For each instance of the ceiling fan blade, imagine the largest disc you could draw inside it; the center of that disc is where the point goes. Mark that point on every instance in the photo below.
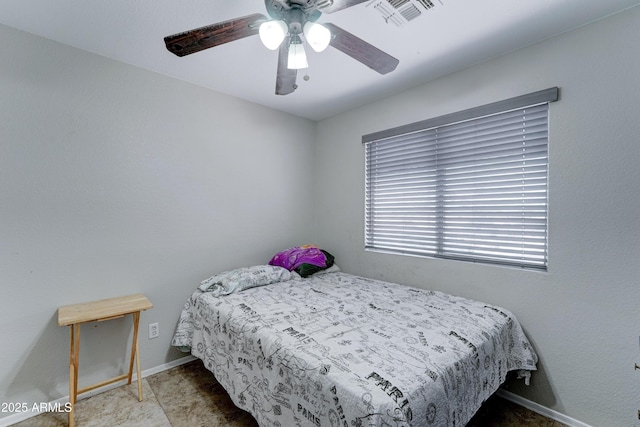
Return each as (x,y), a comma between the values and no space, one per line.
(361,51)
(203,38)
(337,5)
(285,78)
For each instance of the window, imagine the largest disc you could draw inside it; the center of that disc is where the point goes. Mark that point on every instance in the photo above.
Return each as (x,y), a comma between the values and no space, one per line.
(469,186)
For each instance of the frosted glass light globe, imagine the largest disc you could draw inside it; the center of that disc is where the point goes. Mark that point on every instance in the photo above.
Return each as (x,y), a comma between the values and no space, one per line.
(272,33)
(318,36)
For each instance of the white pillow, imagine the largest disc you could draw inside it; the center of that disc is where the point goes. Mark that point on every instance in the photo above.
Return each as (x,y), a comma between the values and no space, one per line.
(237,280)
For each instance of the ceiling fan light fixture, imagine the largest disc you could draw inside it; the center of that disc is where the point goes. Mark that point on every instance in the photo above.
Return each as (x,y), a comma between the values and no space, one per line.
(272,33)
(297,56)
(318,36)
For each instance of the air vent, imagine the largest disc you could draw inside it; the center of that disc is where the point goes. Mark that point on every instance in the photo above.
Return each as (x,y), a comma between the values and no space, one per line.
(398,3)
(399,12)
(426,3)
(410,12)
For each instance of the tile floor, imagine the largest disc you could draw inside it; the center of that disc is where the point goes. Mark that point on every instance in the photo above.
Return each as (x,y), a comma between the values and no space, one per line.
(189,396)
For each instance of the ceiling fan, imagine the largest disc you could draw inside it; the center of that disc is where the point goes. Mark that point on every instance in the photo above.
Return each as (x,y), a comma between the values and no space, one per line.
(292,21)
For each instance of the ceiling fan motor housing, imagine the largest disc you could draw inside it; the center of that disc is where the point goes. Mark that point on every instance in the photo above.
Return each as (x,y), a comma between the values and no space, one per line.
(294,12)
(295,21)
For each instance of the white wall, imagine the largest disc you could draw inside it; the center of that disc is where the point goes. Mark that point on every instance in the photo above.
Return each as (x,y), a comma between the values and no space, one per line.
(115,180)
(583,314)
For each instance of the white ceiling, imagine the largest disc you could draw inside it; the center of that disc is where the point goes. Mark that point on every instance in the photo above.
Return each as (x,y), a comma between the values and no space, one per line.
(452,35)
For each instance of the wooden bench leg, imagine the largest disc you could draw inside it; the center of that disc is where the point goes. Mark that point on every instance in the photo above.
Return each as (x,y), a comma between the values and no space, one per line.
(135,355)
(74,355)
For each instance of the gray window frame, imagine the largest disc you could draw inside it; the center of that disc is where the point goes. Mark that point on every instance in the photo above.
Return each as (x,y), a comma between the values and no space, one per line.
(399,134)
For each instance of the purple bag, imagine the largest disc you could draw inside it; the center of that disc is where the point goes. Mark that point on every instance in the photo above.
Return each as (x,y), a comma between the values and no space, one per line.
(294,257)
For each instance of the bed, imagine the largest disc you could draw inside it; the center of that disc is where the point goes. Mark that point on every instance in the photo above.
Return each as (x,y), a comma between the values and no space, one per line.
(335,349)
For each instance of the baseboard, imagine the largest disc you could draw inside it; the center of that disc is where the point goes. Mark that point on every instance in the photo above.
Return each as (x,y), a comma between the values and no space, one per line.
(167,366)
(21,416)
(539,409)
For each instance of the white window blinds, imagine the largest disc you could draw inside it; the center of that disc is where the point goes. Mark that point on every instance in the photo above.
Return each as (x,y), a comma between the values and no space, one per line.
(471,187)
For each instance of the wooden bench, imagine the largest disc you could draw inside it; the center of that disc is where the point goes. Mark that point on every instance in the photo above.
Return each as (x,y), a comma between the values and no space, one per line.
(106,309)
